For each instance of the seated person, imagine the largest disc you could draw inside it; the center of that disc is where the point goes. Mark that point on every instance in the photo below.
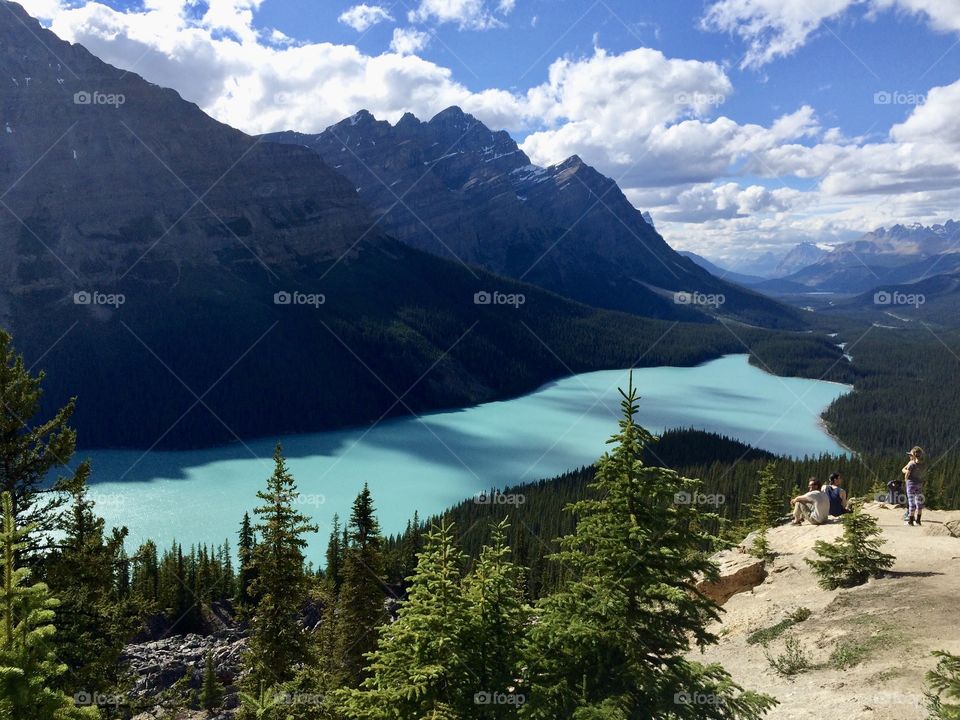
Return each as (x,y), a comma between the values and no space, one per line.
(839,502)
(813,506)
(895,494)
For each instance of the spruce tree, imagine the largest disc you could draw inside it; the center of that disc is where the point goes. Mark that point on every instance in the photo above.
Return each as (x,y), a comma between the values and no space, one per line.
(360,605)
(767,507)
(30,673)
(855,556)
(943,697)
(278,644)
(498,618)
(613,641)
(29,454)
(211,692)
(334,569)
(94,621)
(145,580)
(247,572)
(419,669)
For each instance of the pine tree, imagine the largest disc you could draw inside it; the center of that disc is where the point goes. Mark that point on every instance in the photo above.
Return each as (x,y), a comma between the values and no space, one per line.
(247,572)
(29,455)
(360,605)
(278,644)
(418,669)
(855,556)
(334,569)
(211,692)
(944,683)
(498,616)
(94,621)
(227,582)
(767,507)
(612,643)
(145,580)
(30,673)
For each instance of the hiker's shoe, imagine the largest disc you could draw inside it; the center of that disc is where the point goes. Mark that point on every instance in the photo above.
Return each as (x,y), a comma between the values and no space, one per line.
(918,522)
(909,522)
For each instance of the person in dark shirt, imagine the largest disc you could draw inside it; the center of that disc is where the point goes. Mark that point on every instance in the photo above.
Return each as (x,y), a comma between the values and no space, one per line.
(839,502)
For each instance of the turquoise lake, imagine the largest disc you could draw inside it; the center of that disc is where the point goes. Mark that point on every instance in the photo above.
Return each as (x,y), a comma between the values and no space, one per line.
(431,462)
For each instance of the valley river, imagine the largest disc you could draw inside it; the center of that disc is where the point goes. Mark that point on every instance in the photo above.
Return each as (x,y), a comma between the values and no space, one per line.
(436,460)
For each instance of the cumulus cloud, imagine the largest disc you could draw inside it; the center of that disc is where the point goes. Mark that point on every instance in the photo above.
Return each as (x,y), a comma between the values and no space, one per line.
(408,41)
(773,28)
(467,14)
(362,17)
(707,201)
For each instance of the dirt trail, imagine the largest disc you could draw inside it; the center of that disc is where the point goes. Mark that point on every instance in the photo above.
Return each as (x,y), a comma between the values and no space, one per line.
(883,631)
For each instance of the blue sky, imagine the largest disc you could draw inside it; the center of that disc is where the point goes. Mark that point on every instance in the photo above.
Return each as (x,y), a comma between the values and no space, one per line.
(742,125)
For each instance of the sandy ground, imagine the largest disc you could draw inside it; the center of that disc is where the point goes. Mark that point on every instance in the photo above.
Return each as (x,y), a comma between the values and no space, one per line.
(887,627)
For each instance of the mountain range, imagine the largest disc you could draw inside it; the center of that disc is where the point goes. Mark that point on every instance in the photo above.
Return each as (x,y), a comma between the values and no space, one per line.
(899,255)
(195,285)
(453,187)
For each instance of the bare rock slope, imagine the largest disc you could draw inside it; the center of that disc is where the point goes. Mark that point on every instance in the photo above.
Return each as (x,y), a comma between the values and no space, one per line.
(867,647)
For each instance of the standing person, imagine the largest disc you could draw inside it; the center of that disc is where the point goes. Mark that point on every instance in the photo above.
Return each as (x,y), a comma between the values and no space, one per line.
(838,496)
(913,473)
(813,506)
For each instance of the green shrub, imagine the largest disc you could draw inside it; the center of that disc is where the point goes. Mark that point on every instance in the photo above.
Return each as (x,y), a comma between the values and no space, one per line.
(855,556)
(792,661)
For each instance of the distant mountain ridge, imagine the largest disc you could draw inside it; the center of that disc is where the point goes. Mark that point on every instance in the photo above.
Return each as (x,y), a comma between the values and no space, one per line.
(799,257)
(723,273)
(902,254)
(455,188)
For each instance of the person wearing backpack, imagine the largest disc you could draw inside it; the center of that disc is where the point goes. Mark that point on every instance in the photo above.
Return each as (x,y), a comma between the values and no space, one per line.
(838,496)
(913,473)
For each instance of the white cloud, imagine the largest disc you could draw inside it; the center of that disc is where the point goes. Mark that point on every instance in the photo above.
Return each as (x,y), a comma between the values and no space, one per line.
(706,201)
(42,9)
(775,28)
(408,41)
(467,14)
(362,17)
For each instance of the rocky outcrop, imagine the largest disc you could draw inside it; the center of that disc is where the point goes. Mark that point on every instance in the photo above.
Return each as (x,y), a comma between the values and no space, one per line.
(166,671)
(739,572)
(949,528)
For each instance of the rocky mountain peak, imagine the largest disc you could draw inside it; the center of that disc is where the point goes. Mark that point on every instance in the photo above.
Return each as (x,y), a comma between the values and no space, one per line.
(408,121)
(452,115)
